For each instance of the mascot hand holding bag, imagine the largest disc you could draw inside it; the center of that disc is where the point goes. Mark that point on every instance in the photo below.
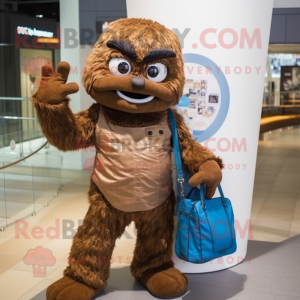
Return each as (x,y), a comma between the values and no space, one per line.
(134,78)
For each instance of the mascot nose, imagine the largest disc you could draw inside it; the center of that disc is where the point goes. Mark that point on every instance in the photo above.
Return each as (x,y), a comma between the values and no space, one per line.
(137,83)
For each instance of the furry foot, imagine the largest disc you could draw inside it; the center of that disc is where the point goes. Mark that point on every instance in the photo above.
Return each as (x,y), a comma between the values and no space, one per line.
(167,284)
(69,289)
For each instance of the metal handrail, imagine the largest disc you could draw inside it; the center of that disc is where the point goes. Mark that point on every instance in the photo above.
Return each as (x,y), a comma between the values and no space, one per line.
(18,118)
(14,99)
(22,159)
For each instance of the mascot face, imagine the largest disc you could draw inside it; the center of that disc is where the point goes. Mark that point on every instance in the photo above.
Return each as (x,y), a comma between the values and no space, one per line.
(136,67)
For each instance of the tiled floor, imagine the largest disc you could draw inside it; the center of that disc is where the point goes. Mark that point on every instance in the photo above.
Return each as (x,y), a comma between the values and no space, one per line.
(275,217)
(276,198)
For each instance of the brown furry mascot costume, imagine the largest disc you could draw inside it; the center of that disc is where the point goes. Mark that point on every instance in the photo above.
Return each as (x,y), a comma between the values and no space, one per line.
(134,73)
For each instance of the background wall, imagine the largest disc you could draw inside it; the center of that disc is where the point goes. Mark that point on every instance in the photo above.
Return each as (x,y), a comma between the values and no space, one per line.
(284,29)
(285,25)
(93,11)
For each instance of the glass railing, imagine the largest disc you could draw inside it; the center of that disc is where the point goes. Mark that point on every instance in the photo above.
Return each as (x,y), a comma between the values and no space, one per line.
(281,99)
(30,184)
(19,143)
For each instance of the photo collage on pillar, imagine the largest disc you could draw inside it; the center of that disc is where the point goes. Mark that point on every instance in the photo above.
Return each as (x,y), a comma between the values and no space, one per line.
(201,100)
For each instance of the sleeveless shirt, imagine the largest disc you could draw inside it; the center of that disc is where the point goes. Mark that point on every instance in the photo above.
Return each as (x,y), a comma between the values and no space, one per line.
(132,167)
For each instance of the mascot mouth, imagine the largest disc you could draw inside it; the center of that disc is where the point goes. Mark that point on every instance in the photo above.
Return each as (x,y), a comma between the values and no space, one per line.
(134,97)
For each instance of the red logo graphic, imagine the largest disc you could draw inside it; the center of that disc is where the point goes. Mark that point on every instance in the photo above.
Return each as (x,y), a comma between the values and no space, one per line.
(34,65)
(34,69)
(39,258)
(93,164)
(89,164)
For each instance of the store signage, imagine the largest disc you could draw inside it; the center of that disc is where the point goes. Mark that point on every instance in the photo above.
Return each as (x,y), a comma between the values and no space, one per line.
(48,40)
(34,32)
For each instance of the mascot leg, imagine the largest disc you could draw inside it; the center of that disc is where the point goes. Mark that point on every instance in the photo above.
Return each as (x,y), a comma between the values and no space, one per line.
(93,244)
(152,263)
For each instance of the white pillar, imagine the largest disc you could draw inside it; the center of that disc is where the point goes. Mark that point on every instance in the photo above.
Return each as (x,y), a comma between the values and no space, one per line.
(75,56)
(219,34)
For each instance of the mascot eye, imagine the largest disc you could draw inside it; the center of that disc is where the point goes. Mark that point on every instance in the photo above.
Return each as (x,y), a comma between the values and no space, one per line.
(119,67)
(157,72)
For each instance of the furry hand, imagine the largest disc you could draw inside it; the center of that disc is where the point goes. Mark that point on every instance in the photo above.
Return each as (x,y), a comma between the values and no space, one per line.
(210,174)
(53,88)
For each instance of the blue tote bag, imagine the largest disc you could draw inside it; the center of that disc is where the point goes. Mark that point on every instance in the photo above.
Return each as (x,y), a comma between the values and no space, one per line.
(205,226)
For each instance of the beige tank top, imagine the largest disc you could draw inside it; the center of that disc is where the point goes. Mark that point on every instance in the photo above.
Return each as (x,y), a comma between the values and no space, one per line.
(133,165)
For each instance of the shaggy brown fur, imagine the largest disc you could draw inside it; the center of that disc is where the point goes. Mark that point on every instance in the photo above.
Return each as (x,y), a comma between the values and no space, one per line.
(94,241)
(103,224)
(91,252)
(64,129)
(145,35)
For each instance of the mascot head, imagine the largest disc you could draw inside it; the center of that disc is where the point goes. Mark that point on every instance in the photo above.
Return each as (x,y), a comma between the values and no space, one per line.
(136,66)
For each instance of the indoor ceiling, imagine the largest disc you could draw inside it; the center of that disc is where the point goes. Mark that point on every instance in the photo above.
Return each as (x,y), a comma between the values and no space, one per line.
(45,8)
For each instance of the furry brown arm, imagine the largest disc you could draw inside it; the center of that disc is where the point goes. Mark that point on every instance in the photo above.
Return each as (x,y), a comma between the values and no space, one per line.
(193,154)
(65,130)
